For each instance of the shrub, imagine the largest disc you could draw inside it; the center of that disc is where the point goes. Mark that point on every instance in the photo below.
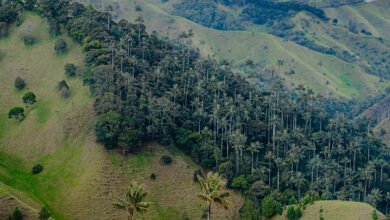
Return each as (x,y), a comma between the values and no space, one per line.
(16,215)
(270,207)
(19,83)
(292,201)
(70,70)
(298,213)
(291,213)
(37,168)
(166,160)
(153,176)
(62,84)
(29,98)
(29,39)
(375,215)
(44,214)
(240,182)
(60,46)
(17,113)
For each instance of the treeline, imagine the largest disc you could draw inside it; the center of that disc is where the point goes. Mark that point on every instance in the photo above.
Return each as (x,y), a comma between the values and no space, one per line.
(209,14)
(260,12)
(265,140)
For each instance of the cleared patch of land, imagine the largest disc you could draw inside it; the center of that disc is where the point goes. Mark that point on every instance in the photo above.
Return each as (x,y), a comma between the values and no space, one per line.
(336,210)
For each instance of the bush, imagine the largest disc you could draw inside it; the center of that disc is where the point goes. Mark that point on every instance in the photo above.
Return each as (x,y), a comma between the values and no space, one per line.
(292,201)
(166,160)
(294,213)
(70,70)
(44,214)
(20,83)
(240,182)
(62,84)
(375,215)
(291,213)
(270,207)
(16,215)
(29,98)
(153,176)
(37,168)
(17,113)
(60,46)
(29,39)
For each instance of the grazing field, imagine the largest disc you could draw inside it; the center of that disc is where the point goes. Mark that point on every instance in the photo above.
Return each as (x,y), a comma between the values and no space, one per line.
(79,176)
(336,210)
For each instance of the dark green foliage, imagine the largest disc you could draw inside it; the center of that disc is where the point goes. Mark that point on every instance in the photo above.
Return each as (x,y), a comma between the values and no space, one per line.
(322,214)
(8,12)
(153,176)
(107,128)
(292,201)
(294,212)
(166,160)
(60,46)
(37,168)
(375,215)
(16,215)
(20,83)
(3,29)
(29,39)
(54,28)
(30,4)
(70,69)
(44,214)
(64,89)
(29,98)
(291,213)
(270,207)
(240,182)
(17,113)
(152,89)
(62,84)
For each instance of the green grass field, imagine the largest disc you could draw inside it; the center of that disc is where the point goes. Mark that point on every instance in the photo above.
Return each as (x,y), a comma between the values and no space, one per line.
(79,176)
(337,210)
(311,68)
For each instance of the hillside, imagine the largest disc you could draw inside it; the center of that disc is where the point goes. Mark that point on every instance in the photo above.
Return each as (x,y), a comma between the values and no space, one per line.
(327,74)
(79,176)
(335,210)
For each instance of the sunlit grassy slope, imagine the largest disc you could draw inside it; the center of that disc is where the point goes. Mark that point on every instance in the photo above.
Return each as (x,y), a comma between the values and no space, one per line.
(79,176)
(337,210)
(311,68)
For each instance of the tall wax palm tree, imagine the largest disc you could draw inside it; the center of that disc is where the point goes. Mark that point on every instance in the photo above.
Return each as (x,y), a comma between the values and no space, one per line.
(299,181)
(213,191)
(255,147)
(133,200)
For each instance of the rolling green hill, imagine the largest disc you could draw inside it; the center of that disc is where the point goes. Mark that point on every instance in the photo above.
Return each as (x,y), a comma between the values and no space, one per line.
(79,176)
(326,74)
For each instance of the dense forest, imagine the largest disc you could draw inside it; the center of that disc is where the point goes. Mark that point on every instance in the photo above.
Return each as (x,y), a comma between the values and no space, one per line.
(271,142)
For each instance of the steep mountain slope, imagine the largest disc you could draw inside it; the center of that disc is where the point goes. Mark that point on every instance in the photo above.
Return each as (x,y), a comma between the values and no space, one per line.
(79,176)
(325,73)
